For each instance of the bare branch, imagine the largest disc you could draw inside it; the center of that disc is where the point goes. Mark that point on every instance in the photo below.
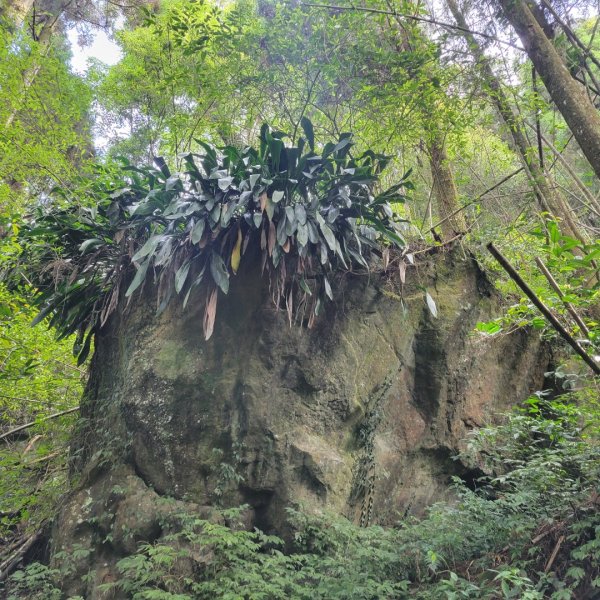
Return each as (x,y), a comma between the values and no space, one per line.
(32,423)
(449,26)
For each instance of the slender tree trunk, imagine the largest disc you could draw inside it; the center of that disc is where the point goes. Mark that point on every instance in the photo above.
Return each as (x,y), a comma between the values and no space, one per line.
(444,190)
(568,95)
(549,199)
(589,197)
(43,19)
(452,220)
(540,17)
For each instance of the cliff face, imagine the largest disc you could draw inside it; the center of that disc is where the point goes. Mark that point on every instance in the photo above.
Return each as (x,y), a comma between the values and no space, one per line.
(360,415)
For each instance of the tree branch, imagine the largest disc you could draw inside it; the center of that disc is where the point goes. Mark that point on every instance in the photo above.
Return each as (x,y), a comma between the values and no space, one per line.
(491,189)
(32,423)
(543,308)
(450,26)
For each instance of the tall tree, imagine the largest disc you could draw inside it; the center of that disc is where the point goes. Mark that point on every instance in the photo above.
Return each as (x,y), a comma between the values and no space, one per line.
(452,221)
(546,190)
(13,12)
(568,95)
(444,190)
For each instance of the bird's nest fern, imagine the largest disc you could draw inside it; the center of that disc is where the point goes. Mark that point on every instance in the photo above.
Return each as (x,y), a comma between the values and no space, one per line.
(308,214)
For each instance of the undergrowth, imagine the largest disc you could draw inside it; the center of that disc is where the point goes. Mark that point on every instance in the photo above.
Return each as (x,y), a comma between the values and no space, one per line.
(528,531)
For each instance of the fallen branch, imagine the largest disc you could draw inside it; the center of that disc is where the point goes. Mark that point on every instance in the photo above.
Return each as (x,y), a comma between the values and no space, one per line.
(11,545)
(10,564)
(561,539)
(543,308)
(32,423)
(42,459)
(31,443)
(541,536)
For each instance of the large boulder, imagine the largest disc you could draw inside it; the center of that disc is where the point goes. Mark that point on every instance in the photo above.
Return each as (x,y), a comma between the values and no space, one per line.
(361,415)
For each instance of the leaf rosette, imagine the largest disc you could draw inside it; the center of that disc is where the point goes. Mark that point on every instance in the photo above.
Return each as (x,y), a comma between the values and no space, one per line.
(309,214)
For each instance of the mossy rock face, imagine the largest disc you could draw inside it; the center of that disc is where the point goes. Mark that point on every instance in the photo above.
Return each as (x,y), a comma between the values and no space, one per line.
(360,415)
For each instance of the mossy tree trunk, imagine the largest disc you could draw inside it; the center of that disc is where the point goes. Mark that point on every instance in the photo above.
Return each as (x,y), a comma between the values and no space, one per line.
(568,95)
(452,220)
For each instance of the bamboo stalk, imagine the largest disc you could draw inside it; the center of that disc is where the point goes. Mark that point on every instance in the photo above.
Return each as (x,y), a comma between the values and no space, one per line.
(543,308)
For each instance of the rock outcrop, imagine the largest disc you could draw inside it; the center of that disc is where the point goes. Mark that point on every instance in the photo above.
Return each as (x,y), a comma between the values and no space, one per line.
(360,415)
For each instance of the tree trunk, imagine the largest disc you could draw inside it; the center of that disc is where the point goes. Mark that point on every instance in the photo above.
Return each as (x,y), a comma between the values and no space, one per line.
(444,191)
(568,95)
(15,11)
(43,21)
(452,220)
(548,198)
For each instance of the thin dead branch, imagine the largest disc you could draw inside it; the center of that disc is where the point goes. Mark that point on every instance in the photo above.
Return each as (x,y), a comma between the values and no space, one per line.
(32,423)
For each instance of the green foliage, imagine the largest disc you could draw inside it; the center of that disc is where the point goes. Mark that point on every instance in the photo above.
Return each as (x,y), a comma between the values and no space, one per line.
(539,500)
(249,564)
(309,214)
(36,582)
(191,69)
(43,125)
(574,267)
(37,372)
(38,377)
(44,139)
(173,82)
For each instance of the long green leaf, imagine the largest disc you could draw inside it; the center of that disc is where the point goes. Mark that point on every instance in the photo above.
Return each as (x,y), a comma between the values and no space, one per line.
(138,279)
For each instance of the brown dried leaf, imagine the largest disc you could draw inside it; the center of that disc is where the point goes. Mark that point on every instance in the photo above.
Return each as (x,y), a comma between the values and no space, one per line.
(402,272)
(246,242)
(264,261)
(110,307)
(73,276)
(289,303)
(282,272)
(263,239)
(210,312)
(272,237)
